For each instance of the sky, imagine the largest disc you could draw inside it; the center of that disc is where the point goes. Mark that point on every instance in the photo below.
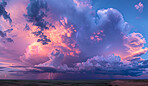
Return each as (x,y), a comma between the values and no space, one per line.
(73,39)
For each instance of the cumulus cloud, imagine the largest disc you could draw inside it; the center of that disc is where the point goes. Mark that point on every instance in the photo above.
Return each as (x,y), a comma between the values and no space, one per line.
(105,63)
(71,37)
(110,65)
(55,59)
(135,43)
(35,54)
(110,30)
(105,34)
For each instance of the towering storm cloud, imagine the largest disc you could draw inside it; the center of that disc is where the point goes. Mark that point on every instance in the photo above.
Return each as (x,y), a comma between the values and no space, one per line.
(70,36)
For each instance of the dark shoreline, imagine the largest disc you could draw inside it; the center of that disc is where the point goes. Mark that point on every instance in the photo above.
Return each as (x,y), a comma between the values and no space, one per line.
(120,82)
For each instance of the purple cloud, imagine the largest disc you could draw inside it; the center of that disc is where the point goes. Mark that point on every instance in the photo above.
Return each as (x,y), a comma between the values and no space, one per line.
(66,37)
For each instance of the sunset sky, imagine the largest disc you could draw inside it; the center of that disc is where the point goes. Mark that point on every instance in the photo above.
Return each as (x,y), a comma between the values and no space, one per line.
(73,39)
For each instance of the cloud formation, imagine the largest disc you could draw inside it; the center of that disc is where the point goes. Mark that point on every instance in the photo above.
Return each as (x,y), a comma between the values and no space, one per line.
(3,11)
(3,35)
(35,14)
(71,37)
(107,34)
(135,43)
(139,7)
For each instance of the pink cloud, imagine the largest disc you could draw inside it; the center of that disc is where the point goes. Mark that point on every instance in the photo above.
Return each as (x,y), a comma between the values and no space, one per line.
(36,53)
(83,3)
(75,39)
(134,44)
(139,7)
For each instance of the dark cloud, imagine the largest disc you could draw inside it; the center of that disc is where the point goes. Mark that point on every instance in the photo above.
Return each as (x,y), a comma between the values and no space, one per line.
(27,27)
(104,65)
(2,67)
(4,38)
(2,34)
(36,11)
(9,40)
(145,62)
(35,70)
(3,11)
(94,66)
(8,31)
(111,65)
(6,16)
(16,74)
